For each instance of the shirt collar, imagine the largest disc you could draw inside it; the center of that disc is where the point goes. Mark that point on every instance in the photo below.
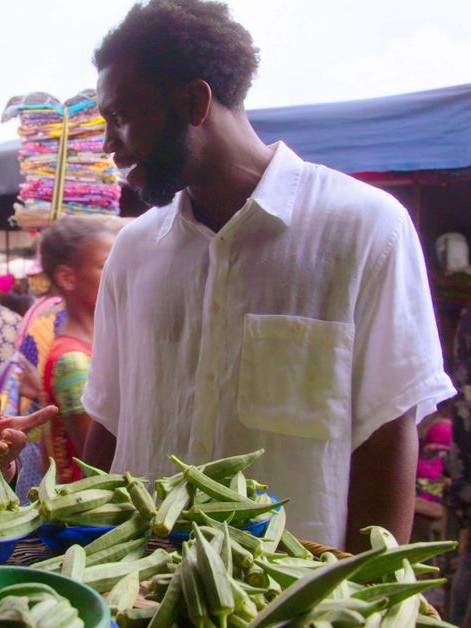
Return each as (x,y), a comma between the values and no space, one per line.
(276,190)
(173,210)
(274,194)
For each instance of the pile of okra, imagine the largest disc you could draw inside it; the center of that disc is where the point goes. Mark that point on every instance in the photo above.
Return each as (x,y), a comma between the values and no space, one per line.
(221,575)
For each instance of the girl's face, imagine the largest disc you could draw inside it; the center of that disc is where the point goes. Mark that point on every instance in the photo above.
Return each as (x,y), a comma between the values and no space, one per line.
(89,267)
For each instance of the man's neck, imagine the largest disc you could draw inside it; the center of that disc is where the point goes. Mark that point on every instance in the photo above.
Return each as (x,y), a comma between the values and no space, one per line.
(214,220)
(232,183)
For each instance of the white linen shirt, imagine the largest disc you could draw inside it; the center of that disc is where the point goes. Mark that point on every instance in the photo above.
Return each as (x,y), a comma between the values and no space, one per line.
(302,326)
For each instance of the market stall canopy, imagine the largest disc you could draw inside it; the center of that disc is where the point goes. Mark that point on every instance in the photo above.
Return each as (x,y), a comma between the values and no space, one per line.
(429,130)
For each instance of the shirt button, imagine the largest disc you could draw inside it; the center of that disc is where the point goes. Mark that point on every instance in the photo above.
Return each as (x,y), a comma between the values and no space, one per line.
(214,307)
(210,377)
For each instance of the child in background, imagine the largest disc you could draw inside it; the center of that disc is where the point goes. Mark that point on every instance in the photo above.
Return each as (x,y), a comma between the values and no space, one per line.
(73,253)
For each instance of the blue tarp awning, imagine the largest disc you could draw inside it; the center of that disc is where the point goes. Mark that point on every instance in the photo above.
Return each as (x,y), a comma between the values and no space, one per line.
(429,130)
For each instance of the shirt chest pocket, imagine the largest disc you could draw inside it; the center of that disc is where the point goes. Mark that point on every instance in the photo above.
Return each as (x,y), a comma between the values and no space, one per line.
(295,376)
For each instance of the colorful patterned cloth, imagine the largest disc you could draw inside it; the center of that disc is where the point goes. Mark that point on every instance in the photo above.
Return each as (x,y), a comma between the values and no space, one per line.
(40,306)
(65,376)
(89,183)
(34,342)
(9,325)
(36,338)
(39,337)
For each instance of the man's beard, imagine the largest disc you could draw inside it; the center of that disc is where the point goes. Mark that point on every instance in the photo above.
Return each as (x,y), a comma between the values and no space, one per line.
(164,171)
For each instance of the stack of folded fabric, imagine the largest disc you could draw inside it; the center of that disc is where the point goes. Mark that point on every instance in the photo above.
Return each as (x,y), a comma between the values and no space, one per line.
(61,159)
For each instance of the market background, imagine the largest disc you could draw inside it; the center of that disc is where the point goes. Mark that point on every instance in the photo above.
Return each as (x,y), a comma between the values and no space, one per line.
(311,53)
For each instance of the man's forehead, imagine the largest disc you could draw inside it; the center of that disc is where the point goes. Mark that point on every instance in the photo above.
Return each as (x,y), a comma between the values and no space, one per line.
(118,84)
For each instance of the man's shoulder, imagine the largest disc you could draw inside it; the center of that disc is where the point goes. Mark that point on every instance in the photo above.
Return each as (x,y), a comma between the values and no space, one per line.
(144,229)
(341,197)
(148,222)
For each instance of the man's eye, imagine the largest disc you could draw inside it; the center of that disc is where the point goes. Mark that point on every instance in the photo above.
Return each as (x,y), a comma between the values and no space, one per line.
(116,119)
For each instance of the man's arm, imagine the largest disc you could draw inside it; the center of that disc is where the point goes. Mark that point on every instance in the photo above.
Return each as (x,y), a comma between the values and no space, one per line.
(99,447)
(382,482)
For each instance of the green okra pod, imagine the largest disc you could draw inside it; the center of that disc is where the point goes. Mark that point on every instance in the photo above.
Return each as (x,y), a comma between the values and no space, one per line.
(47,486)
(215,578)
(211,487)
(103,577)
(74,562)
(118,551)
(87,469)
(391,560)
(252,543)
(25,522)
(60,507)
(108,481)
(192,587)
(124,593)
(9,500)
(216,469)
(274,530)
(140,497)
(293,546)
(303,595)
(169,609)
(222,511)
(108,514)
(397,591)
(171,508)
(136,526)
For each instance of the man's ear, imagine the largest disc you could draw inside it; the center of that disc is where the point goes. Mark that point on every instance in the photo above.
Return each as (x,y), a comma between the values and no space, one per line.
(199,97)
(64,278)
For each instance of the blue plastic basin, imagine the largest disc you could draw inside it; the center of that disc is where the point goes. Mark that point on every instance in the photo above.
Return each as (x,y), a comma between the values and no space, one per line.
(60,538)
(6,550)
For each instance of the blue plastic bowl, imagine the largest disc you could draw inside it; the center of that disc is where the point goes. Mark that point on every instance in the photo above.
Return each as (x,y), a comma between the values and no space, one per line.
(255,527)
(6,549)
(60,538)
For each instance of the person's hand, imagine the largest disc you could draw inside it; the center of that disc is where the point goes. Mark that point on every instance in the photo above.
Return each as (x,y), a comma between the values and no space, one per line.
(13,437)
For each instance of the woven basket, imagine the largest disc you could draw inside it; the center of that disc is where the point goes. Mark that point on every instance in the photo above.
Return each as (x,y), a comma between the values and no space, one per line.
(317,549)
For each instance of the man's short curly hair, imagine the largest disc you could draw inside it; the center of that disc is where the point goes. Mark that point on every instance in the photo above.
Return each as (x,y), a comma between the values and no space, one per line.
(177,41)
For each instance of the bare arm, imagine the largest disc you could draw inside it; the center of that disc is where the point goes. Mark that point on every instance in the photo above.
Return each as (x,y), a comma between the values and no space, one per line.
(77,428)
(99,447)
(382,482)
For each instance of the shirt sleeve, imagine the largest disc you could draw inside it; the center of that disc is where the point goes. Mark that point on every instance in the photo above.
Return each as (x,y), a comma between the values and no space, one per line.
(398,363)
(102,392)
(69,375)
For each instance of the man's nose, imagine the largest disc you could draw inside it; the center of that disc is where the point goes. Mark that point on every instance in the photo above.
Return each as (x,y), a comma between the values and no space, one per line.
(110,141)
